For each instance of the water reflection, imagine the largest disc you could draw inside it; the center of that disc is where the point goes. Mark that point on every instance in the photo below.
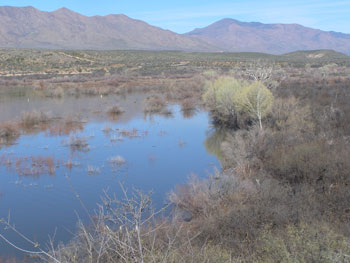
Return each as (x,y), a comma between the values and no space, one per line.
(213,142)
(154,153)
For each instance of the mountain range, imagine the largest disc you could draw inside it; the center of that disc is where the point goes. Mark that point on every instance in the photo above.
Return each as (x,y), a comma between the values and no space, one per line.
(27,27)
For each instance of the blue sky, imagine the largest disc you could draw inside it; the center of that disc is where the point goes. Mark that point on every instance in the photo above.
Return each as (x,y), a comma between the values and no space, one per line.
(184,15)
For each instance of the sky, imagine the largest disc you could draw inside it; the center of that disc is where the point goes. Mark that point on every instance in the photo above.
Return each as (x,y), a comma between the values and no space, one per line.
(184,15)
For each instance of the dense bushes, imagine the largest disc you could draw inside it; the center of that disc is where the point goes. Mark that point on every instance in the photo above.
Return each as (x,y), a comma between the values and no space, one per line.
(303,243)
(295,170)
(231,100)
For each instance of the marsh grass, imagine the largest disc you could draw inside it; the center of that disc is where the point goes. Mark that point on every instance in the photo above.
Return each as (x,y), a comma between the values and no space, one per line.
(33,166)
(78,143)
(117,160)
(70,164)
(92,170)
(133,133)
(65,126)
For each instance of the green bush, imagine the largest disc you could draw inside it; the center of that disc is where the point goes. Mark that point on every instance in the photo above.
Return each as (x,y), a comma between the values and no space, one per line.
(230,99)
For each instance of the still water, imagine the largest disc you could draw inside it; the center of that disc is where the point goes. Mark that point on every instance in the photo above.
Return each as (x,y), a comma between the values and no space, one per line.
(38,172)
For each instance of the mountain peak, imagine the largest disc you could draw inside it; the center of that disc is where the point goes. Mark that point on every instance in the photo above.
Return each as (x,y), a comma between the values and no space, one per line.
(234,35)
(226,21)
(65,11)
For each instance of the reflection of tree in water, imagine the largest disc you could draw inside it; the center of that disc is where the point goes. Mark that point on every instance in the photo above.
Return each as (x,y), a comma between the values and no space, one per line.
(188,113)
(213,142)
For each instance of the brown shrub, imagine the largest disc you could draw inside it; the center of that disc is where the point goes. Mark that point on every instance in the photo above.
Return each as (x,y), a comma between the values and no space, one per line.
(115,110)
(9,132)
(65,127)
(154,104)
(34,118)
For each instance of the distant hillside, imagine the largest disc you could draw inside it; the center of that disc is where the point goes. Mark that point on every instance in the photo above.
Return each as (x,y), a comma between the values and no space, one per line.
(27,27)
(329,55)
(233,35)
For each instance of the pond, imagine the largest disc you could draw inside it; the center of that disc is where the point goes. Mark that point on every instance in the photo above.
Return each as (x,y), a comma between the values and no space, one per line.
(43,172)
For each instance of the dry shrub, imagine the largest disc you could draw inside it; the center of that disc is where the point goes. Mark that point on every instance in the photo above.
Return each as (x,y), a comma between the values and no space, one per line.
(34,118)
(229,209)
(48,89)
(194,197)
(129,230)
(57,92)
(236,148)
(188,107)
(54,92)
(155,104)
(8,132)
(92,91)
(188,88)
(303,242)
(293,171)
(115,111)
(188,104)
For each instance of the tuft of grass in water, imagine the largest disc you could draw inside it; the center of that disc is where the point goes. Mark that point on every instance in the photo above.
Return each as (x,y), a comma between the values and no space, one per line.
(93,170)
(78,143)
(117,160)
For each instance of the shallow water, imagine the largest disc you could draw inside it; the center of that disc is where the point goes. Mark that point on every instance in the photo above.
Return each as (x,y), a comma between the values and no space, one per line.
(160,152)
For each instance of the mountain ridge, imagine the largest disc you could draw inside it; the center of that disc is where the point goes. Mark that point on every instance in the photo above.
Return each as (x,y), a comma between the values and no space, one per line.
(28,27)
(234,35)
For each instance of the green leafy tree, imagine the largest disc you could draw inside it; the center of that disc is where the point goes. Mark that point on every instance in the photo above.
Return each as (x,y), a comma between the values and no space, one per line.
(256,100)
(222,97)
(228,97)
